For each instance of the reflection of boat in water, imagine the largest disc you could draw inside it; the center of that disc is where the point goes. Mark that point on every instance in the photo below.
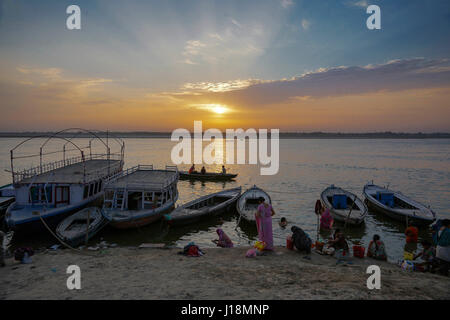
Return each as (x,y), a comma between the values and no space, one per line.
(213,176)
(248,202)
(80,226)
(344,206)
(397,206)
(209,205)
(54,190)
(140,195)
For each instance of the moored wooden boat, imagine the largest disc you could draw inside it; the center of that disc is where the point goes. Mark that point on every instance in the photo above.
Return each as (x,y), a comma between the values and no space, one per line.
(86,223)
(140,195)
(209,205)
(248,202)
(210,176)
(51,191)
(344,206)
(397,206)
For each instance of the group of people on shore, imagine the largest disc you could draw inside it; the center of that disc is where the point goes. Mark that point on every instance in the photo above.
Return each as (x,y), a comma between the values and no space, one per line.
(435,255)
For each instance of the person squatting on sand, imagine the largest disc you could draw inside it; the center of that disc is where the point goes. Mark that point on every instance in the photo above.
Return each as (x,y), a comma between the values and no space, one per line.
(376,249)
(264,223)
(301,240)
(224,241)
(428,255)
(337,245)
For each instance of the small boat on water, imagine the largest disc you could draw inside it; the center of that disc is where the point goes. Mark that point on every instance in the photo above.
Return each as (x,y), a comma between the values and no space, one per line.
(344,206)
(397,206)
(249,201)
(140,195)
(86,223)
(209,176)
(209,205)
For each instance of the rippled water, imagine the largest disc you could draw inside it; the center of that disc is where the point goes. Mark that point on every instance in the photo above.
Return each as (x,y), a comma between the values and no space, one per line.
(418,168)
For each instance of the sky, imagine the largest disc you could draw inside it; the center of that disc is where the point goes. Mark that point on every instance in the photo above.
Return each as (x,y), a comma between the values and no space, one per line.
(293,65)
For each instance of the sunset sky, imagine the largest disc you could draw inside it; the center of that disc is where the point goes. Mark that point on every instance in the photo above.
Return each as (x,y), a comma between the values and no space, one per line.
(296,65)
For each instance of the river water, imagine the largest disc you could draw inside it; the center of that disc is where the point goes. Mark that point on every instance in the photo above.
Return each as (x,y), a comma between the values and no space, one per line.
(418,168)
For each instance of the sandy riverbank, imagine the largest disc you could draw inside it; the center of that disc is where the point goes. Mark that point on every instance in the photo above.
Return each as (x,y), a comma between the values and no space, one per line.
(131,273)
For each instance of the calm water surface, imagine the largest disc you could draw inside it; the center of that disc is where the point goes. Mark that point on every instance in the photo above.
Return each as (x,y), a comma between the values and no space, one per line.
(418,168)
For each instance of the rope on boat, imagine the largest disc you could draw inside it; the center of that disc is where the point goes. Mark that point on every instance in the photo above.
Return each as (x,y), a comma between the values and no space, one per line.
(62,242)
(290,192)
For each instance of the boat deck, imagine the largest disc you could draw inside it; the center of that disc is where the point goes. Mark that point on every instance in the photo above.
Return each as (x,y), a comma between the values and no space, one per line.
(145,179)
(73,173)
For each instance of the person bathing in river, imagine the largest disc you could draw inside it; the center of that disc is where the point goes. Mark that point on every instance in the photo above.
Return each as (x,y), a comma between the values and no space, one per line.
(376,249)
(203,171)
(224,241)
(264,223)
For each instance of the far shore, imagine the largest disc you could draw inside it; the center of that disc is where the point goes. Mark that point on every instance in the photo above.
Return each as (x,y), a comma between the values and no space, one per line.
(155,273)
(282,135)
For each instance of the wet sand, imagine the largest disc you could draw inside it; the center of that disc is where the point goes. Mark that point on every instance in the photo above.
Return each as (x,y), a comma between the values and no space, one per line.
(132,273)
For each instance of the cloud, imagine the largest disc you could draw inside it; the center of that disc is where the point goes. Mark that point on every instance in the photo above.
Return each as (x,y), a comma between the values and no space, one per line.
(360,4)
(237,24)
(286,3)
(234,42)
(305,24)
(49,73)
(395,75)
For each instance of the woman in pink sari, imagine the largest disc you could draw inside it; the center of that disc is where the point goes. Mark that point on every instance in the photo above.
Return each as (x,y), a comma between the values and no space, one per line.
(264,223)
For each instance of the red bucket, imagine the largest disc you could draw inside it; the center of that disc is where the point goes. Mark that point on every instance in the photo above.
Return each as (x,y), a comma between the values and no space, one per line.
(358,251)
(289,243)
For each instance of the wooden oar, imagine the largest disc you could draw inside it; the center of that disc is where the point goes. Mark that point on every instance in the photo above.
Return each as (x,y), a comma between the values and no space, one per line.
(348,216)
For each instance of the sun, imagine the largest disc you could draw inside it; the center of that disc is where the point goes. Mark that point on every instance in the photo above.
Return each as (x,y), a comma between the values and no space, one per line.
(219,109)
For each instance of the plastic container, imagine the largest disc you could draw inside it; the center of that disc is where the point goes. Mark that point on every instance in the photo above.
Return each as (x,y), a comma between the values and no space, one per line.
(319,245)
(289,243)
(408,255)
(358,251)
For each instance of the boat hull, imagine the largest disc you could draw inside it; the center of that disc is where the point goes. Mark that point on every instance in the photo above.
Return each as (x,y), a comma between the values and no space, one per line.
(378,207)
(192,216)
(206,177)
(342,215)
(141,221)
(394,215)
(252,193)
(35,225)
(76,238)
